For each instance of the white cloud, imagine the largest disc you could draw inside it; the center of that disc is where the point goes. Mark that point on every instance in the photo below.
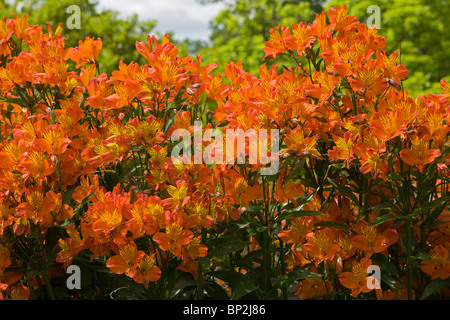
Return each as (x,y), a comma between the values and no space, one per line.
(185,18)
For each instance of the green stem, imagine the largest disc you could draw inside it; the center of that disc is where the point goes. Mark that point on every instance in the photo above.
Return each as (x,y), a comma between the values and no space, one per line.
(48,285)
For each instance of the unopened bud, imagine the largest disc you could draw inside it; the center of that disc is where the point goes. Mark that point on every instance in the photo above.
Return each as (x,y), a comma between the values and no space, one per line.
(222,123)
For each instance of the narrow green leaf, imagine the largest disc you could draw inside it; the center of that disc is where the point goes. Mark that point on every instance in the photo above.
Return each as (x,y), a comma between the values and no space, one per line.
(382,219)
(332,224)
(434,287)
(344,190)
(297,213)
(226,247)
(296,275)
(81,205)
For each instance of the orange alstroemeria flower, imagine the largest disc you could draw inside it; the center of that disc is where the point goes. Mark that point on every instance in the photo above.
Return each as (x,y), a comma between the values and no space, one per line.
(173,238)
(6,218)
(298,144)
(298,230)
(178,195)
(87,51)
(126,259)
(276,45)
(194,249)
(38,207)
(388,124)
(369,82)
(70,246)
(36,163)
(146,270)
(356,279)
(439,265)
(343,149)
(54,140)
(419,155)
(312,287)
(371,240)
(321,245)
(288,191)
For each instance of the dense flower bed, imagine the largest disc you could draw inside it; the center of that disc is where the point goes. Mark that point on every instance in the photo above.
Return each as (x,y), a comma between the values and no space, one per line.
(88,176)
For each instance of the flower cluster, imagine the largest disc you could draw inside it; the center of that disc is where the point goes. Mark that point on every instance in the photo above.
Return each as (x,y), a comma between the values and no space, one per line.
(87,176)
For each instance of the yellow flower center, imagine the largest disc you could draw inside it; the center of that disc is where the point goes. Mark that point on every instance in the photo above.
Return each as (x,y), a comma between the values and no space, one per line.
(360,273)
(127,253)
(146,264)
(369,234)
(35,199)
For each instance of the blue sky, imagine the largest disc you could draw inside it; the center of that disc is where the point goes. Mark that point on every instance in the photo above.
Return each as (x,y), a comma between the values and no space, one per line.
(185,18)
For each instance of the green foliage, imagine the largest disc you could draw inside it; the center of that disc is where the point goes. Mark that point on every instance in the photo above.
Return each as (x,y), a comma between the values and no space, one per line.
(240,30)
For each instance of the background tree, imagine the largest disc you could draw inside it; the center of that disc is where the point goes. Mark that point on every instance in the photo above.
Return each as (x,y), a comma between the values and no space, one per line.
(239,31)
(118,35)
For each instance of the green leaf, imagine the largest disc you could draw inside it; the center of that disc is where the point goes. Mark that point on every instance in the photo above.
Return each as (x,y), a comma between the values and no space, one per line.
(255,209)
(383,262)
(344,190)
(407,238)
(434,287)
(382,206)
(295,275)
(382,219)
(439,202)
(250,257)
(297,213)
(215,291)
(81,205)
(67,197)
(239,283)
(53,115)
(423,256)
(229,246)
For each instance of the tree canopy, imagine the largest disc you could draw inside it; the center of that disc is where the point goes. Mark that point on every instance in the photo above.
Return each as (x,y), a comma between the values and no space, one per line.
(240,30)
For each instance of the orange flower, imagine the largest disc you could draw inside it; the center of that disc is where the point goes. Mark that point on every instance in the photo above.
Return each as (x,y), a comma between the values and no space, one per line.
(277,44)
(87,51)
(419,155)
(388,124)
(178,195)
(369,82)
(343,149)
(70,246)
(356,280)
(38,207)
(300,227)
(439,265)
(370,240)
(37,163)
(194,249)
(146,270)
(54,140)
(174,238)
(312,287)
(321,245)
(126,260)
(288,191)
(297,143)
